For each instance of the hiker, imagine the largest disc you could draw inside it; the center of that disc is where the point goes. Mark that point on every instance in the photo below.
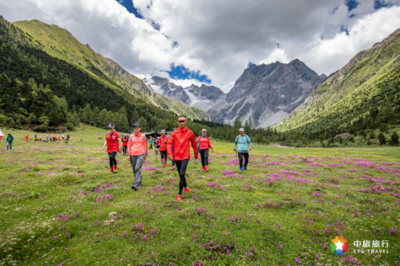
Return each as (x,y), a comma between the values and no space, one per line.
(63,137)
(162,143)
(112,142)
(137,153)
(181,140)
(9,140)
(203,145)
(242,140)
(124,140)
(68,137)
(26,137)
(151,143)
(51,137)
(36,137)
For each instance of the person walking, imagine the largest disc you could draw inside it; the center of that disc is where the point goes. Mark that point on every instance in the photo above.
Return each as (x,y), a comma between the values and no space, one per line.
(63,137)
(112,142)
(203,146)
(181,139)
(124,140)
(137,153)
(9,141)
(162,142)
(243,141)
(27,137)
(151,143)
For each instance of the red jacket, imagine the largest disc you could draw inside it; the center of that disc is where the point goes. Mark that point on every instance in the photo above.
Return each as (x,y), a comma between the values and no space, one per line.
(125,141)
(163,142)
(181,140)
(112,142)
(204,143)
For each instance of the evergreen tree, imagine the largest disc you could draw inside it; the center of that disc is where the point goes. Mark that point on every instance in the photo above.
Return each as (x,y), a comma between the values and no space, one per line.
(143,123)
(247,128)
(135,117)
(86,114)
(382,139)
(395,139)
(96,119)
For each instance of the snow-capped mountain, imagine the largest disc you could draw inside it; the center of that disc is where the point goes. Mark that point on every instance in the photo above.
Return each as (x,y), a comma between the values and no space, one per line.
(263,95)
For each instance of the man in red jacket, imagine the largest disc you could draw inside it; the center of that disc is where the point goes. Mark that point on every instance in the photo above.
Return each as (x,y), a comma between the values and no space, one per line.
(181,140)
(162,141)
(112,142)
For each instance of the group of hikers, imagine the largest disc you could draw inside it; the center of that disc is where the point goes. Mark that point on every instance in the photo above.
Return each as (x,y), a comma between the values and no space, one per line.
(175,147)
(51,138)
(10,139)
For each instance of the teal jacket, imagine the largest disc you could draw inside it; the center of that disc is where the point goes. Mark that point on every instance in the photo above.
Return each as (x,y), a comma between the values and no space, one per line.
(243,141)
(10,138)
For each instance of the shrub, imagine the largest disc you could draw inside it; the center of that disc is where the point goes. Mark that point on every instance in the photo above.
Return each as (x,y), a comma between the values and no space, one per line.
(70,126)
(383,127)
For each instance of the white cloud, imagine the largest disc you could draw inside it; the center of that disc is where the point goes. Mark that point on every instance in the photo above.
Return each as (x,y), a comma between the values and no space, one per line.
(217,38)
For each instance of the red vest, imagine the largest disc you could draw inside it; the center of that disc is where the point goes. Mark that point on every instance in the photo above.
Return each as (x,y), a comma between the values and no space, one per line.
(112,142)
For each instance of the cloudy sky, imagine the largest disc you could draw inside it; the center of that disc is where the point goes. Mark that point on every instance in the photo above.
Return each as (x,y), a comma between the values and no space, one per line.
(194,41)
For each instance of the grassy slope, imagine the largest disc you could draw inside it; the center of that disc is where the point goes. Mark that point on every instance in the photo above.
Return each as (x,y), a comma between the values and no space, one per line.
(62,44)
(345,90)
(40,180)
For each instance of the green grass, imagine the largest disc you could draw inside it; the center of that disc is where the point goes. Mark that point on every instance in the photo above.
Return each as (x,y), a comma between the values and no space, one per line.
(40,180)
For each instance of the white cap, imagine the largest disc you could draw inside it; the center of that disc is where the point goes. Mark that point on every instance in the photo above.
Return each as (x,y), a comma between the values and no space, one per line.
(204,130)
(241,129)
(162,131)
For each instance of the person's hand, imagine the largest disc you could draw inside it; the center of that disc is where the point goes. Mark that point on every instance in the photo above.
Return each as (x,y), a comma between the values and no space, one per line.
(145,157)
(250,148)
(127,157)
(212,150)
(103,148)
(234,149)
(171,158)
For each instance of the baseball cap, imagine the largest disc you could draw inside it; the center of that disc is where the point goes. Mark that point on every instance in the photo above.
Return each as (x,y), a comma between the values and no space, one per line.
(111,125)
(137,125)
(163,131)
(204,130)
(241,129)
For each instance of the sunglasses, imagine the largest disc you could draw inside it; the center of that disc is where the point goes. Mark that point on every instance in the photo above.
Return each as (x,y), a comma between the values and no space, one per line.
(181,121)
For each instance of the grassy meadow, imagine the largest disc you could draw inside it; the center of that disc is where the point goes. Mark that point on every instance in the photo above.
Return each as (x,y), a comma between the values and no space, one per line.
(56,200)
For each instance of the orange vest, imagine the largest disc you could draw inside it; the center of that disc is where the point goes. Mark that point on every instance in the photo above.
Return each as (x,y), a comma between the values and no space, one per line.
(137,145)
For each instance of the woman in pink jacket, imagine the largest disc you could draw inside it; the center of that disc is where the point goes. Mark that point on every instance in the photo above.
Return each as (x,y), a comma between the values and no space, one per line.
(137,153)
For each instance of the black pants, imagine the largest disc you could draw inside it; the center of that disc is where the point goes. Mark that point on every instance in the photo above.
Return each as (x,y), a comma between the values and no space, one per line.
(204,157)
(246,158)
(111,156)
(124,149)
(181,166)
(151,147)
(164,155)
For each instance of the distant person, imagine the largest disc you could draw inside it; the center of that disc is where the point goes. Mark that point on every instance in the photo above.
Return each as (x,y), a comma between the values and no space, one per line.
(137,153)
(112,142)
(162,143)
(124,140)
(243,141)
(36,137)
(27,137)
(68,137)
(203,147)
(63,137)
(51,137)
(181,140)
(151,143)
(47,138)
(9,141)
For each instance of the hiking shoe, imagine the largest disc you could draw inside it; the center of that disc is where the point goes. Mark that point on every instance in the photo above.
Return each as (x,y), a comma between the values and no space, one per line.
(134,186)
(203,168)
(179,198)
(111,170)
(115,167)
(140,183)
(173,168)
(206,167)
(241,168)
(245,166)
(186,190)
(162,166)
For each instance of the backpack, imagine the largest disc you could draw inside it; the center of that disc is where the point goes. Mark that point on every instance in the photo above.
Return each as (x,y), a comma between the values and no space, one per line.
(247,137)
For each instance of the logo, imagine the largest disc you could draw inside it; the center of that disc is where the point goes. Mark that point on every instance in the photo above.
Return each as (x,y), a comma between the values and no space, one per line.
(339,245)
